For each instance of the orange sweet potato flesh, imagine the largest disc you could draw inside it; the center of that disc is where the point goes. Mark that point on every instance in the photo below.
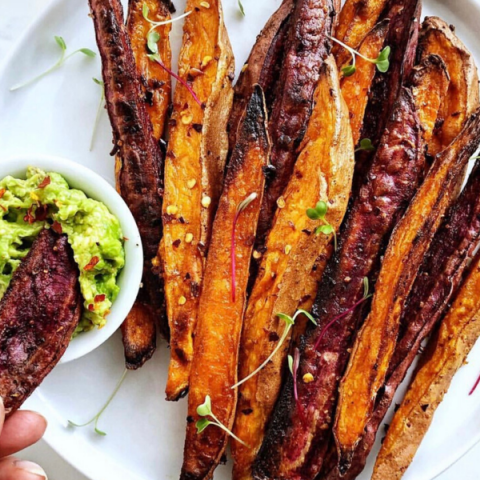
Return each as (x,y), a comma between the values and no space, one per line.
(430,81)
(154,80)
(375,343)
(355,89)
(446,353)
(436,37)
(220,318)
(356,19)
(323,171)
(194,165)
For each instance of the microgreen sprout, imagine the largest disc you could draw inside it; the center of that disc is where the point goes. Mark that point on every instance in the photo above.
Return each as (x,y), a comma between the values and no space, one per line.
(155,57)
(365,146)
(154,24)
(101,104)
(293,364)
(474,158)
(474,386)
(366,296)
(240,208)
(63,46)
(96,418)
(240,7)
(205,410)
(319,213)
(289,323)
(382,61)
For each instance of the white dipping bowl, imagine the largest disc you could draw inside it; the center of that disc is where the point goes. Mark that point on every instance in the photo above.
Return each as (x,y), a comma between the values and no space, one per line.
(130,277)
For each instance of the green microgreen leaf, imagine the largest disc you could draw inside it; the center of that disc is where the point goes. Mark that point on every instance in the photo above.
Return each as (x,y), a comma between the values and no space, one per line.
(202,424)
(325,229)
(63,46)
(97,81)
(307,314)
(96,418)
(319,213)
(205,408)
(349,70)
(290,364)
(145,12)
(382,61)
(366,288)
(312,214)
(286,318)
(152,38)
(245,203)
(365,145)
(240,6)
(100,109)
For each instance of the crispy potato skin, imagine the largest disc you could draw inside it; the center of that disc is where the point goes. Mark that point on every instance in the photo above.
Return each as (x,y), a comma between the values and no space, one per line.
(375,344)
(217,340)
(357,18)
(295,444)
(138,165)
(194,166)
(430,81)
(446,353)
(462,99)
(323,171)
(355,89)
(154,80)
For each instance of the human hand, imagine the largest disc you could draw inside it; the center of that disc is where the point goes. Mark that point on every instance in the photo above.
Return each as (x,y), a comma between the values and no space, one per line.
(21,430)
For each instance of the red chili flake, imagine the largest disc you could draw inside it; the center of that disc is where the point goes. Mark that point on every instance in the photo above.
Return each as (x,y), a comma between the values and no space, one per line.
(91,264)
(2,192)
(91,307)
(45,182)
(100,298)
(29,218)
(57,227)
(41,213)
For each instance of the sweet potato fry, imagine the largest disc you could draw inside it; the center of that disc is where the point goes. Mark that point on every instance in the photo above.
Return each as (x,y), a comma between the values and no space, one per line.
(194,165)
(430,81)
(445,354)
(298,432)
(375,344)
(262,67)
(154,80)
(355,89)
(138,168)
(355,21)
(323,171)
(462,98)
(223,298)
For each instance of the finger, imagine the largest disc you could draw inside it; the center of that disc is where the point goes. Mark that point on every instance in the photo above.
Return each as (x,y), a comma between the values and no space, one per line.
(2,414)
(14,469)
(21,430)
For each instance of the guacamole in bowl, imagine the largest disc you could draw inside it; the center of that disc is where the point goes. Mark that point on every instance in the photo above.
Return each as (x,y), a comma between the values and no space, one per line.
(45,200)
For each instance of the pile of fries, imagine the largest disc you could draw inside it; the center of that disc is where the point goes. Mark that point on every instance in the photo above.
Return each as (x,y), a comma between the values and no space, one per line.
(305,231)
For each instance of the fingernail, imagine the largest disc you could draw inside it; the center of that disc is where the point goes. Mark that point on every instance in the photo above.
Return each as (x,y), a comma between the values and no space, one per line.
(32,468)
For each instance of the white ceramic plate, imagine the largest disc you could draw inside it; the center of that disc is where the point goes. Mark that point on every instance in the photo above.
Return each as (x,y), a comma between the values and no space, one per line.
(145,433)
(99,189)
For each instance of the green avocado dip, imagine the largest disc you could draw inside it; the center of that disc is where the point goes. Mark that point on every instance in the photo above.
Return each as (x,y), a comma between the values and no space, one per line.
(45,200)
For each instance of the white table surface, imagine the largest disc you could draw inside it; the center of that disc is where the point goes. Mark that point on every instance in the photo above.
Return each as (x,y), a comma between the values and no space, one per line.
(14,19)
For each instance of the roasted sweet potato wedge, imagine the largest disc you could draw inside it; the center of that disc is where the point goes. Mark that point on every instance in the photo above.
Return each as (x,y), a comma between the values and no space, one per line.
(298,433)
(223,298)
(138,166)
(355,89)
(38,315)
(437,37)
(262,67)
(194,165)
(375,344)
(355,21)
(154,79)
(323,171)
(307,46)
(445,354)
(430,81)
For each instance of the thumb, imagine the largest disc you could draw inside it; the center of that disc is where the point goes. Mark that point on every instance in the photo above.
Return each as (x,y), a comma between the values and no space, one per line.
(13,468)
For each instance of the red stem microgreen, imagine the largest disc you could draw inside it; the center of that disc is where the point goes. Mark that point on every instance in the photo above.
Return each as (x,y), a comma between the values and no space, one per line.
(205,410)
(293,364)
(63,46)
(289,323)
(100,109)
(382,61)
(240,208)
(319,213)
(156,58)
(365,146)
(96,418)
(366,296)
